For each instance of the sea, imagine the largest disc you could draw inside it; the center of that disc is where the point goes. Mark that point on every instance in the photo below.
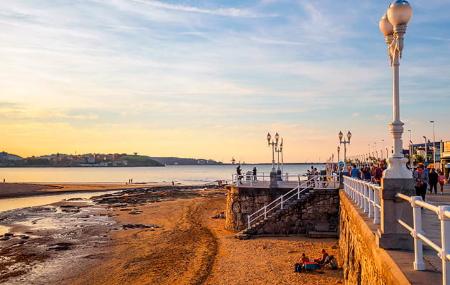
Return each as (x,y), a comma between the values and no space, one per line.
(184,174)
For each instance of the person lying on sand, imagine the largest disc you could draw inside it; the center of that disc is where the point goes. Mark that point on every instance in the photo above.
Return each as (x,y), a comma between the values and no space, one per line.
(306,265)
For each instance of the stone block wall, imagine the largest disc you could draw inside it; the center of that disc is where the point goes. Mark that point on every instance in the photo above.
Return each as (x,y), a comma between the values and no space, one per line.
(363,261)
(319,212)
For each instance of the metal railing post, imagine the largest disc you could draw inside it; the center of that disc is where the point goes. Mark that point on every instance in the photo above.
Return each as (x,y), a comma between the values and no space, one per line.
(265,212)
(298,192)
(418,245)
(282,202)
(376,214)
(371,202)
(445,243)
(366,198)
(248,221)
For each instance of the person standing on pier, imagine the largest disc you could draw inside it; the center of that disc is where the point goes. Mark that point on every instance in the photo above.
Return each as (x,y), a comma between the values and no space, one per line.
(421,180)
(239,173)
(433,180)
(254,173)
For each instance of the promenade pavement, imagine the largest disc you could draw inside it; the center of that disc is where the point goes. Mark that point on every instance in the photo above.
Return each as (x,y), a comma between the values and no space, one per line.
(432,227)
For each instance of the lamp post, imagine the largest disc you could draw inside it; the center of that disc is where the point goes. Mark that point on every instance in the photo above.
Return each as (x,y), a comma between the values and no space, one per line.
(393,26)
(338,152)
(344,142)
(273,143)
(278,150)
(426,148)
(434,146)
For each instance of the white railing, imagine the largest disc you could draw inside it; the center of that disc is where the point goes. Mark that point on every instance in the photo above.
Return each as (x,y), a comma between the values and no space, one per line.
(277,203)
(317,181)
(416,231)
(262,177)
(366,195)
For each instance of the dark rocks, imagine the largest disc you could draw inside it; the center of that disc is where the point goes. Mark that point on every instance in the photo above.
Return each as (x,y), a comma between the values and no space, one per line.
(60,246)
(140,226)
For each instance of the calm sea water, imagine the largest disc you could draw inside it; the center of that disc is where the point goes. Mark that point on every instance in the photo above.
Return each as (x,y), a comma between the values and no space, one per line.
(191,174)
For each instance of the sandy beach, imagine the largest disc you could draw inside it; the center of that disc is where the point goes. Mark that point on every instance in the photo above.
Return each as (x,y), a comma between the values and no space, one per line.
(151,236)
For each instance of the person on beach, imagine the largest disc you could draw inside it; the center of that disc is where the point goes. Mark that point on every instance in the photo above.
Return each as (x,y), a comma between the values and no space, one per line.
(322,260)
(421,180)
(299,266)
(441,180)
(433,180)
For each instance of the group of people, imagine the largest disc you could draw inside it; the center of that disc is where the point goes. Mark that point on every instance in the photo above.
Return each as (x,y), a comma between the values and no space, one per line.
(250,174)
(306,264)
(428,179)
(370,172)
(425,179)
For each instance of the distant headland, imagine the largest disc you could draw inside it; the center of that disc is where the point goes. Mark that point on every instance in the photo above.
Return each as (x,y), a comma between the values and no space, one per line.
(97,160)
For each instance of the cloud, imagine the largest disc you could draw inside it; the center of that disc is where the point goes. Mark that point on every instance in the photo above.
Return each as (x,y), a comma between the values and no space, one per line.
(226,12)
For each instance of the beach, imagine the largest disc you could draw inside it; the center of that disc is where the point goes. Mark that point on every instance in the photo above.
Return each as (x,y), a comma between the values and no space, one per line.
(153,235)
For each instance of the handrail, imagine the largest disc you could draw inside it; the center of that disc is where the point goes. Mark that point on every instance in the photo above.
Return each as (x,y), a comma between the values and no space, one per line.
(313,182)
(278,202)
(263,177)
(416,231)
(366,195)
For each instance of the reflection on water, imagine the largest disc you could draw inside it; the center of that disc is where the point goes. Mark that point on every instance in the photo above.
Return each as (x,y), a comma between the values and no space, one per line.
(189,174)
(15,203)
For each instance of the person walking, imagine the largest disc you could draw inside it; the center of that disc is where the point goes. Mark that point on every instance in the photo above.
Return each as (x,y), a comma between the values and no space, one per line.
(421,180)
(441,180)
(433,180)
(355,173)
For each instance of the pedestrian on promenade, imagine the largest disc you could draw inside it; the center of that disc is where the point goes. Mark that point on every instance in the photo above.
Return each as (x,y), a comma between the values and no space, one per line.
(254,173)
(441,180)
(378,174)
(355,173)
(421,180)
(433,180)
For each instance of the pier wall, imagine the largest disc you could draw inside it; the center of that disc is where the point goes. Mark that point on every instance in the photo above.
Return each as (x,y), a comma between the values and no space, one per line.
(319,212)
(363,262)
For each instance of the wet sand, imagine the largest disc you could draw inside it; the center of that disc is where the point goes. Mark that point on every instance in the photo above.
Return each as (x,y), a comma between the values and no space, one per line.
(164,237)
(15,190)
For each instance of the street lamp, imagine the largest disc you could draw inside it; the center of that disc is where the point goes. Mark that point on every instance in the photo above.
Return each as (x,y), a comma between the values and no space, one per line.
(278,150)
(434,146)
(393,27)
(344,142)
(338,151)
(426,148)
(273,144)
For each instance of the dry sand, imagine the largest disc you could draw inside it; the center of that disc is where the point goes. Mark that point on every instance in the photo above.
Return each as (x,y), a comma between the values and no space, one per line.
(193,248)
(183,245)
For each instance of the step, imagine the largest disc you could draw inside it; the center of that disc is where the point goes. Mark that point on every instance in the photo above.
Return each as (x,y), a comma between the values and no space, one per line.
(314,234)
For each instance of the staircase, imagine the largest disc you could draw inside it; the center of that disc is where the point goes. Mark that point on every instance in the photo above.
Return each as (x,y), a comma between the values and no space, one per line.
(274,210)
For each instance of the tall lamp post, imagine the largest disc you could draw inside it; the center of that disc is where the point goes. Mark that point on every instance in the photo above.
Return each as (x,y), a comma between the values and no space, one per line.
(273,144)
(434,146)
(344,142)
(393,26)
(426,148)
(338,152)
(278,150)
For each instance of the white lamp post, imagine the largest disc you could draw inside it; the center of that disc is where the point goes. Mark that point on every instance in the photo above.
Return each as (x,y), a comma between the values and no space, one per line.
(393,26)
(434,146)
(344,142)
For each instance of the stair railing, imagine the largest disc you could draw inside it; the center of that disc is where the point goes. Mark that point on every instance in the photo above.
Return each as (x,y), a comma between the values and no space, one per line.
(280,201)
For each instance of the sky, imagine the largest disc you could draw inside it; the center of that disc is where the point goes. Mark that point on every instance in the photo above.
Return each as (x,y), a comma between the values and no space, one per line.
(209,79)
